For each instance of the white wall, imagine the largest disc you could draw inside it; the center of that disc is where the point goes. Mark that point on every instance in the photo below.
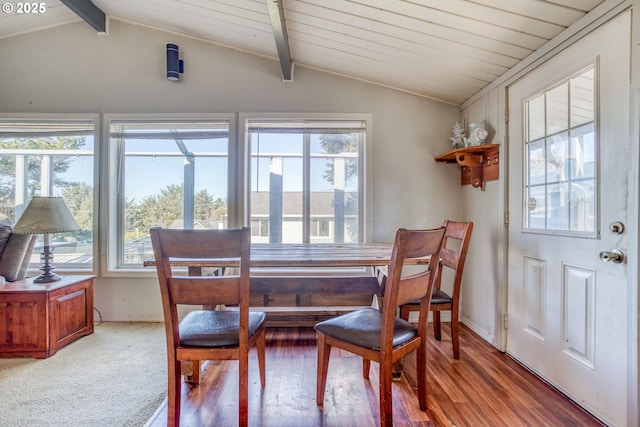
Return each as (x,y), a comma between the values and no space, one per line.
(71,69)
(481,287)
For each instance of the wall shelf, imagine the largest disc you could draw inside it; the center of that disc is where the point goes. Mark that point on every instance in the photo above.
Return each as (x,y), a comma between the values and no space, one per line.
(478,164)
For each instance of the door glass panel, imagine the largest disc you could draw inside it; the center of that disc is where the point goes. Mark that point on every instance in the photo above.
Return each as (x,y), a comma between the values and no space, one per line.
(582,206)
(536,207)
(557,109)
(535,110)
(561,157)
(582,156)
(557,207)
(557,168)
(582,102)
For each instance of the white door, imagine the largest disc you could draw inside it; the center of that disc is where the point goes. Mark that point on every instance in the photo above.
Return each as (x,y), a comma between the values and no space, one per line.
(568,173)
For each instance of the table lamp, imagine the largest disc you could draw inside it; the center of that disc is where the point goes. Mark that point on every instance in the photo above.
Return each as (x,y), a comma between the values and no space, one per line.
(46,215)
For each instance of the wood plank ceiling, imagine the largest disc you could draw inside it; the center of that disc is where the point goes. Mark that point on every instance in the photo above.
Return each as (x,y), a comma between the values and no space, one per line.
(446,50)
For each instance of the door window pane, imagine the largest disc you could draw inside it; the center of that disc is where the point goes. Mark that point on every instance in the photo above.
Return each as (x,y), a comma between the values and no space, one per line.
(537,163)
(535,122)
(557,207)
(561,171)
(536,207)
(557,107)
(582,101)
(557,167)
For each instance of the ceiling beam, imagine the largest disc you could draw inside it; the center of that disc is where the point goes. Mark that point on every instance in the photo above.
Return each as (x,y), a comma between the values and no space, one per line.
(89,12)
(278,24)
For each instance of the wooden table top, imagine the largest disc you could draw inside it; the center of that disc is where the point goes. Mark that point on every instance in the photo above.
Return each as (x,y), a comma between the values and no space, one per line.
(273,255)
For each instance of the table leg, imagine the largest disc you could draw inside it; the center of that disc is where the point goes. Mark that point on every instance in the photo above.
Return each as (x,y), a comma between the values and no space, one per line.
(191,371)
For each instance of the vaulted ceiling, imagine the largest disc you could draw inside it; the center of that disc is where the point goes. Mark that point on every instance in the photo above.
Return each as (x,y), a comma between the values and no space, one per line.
(446,50)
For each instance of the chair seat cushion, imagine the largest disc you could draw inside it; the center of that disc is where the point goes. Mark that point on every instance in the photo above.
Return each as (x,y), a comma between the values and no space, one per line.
(437,297)
(440,297)
(208,328)
(362,327)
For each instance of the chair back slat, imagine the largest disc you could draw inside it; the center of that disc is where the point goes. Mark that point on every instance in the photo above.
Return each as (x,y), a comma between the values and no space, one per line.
(455,258)
(210,290)
(201,244)
(449,258)
(413,287)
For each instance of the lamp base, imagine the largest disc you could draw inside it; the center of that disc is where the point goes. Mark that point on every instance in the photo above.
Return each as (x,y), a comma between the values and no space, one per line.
(48,275)
(46,278)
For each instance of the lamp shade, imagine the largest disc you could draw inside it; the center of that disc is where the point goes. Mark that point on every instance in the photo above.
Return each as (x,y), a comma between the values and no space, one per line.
(46,215)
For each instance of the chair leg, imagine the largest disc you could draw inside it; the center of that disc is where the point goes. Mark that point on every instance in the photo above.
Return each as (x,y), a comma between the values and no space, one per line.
(366,367)
(437,332)
(421,373)
(173,393)
(455,334)
(191,371)
(260,346)
(386,400)
(243,386)
(404,311)
(324,351)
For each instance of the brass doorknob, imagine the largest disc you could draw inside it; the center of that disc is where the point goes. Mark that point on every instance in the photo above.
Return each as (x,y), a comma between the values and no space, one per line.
(615,255)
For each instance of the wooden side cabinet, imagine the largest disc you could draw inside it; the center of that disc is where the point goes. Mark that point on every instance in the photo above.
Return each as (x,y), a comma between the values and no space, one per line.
(36,319)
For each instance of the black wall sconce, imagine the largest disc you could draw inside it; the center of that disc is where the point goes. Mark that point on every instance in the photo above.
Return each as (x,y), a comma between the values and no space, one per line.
(175,65)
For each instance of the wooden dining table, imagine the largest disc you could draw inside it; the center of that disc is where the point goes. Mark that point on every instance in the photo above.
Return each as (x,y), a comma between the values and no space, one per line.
(302,255)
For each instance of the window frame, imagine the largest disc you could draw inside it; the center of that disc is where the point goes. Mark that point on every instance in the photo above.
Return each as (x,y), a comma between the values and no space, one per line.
(97,126)
(111,194)
(364,167)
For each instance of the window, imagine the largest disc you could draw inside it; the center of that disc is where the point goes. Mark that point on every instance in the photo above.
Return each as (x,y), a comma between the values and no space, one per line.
(295,180)
(259,228)
(307,178)
(321,227)
(51,157)
(172,174)
(561,170)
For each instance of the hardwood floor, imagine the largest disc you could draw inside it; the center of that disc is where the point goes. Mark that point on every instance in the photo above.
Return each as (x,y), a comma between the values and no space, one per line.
(483,388)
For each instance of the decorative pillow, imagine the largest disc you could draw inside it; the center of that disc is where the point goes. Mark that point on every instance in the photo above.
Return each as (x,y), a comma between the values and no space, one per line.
(16,255)
(5,232)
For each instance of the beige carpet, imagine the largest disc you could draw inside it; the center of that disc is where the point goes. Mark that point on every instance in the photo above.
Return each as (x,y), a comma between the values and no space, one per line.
(114,377)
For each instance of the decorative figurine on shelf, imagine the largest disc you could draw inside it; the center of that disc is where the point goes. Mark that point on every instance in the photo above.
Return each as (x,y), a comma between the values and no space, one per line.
(458,138)
(477,135)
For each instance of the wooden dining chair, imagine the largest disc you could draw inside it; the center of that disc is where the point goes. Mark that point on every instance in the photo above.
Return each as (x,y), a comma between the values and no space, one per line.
(381,336)
(452,256)
(208,334)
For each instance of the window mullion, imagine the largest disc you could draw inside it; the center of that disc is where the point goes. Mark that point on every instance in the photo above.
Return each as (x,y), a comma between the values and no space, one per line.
(21,184)
(306,188)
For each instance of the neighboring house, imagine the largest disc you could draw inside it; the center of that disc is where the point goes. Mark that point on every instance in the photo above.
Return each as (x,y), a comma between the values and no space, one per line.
(321,222)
